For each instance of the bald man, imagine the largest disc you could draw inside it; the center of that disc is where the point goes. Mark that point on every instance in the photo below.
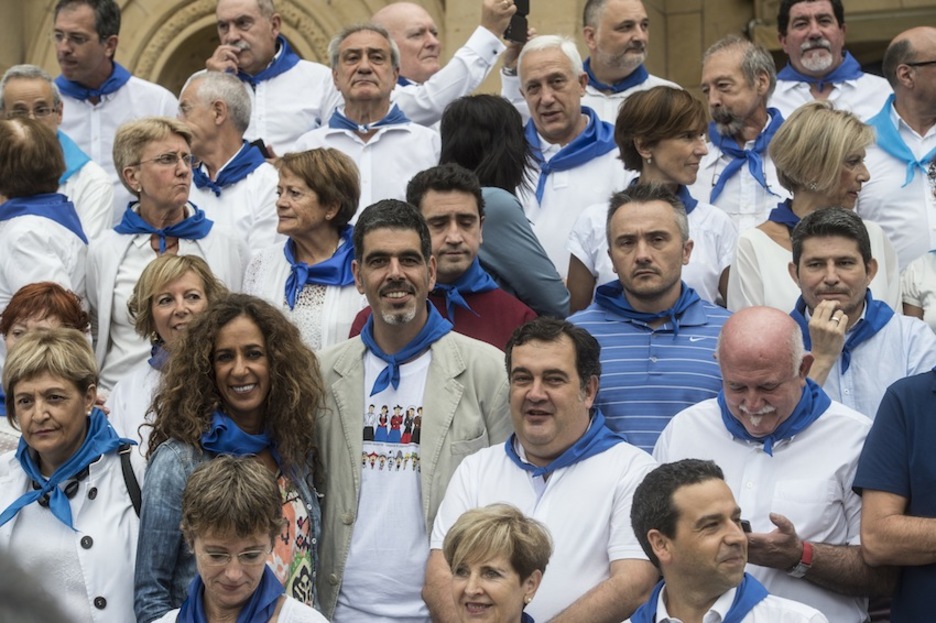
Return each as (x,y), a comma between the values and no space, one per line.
(771,430)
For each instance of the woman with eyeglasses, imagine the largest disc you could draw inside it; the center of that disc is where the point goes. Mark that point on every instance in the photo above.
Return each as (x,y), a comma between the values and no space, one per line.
(231,515)
(154,159)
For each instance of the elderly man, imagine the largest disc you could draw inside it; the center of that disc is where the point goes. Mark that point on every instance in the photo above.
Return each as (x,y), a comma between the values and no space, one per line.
(737,174)
(789,454)
(812,33)
(454,391)
(387,147)
(289,96)
(899,196)
(657,335)
(562,465)
(99,94)
(233,183)
(688,523)
(449,198)
(28,91)
(424,86)
(860,346)
(574,149)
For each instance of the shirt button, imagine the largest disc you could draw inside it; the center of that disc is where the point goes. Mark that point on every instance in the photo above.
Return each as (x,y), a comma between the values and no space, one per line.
(100,603)
(333,579)
(749,485)
(653,359)
(87,542)
(92,493)
(347,519)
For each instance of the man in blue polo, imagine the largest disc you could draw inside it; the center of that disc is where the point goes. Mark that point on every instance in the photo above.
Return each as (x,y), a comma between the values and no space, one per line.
(657,336)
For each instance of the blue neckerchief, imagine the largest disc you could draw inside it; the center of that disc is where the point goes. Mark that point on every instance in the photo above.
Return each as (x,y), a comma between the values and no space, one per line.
(526,618)
(848,70)
(194,227)
(750,593)
(258,609)
(890,141)
(159,357)
(119,77)
(395,116)
(638,76)
(610,297)
(52,206)
(753,157)
(475,280)
(245,162)
(100,439)
(596,140)
(404,82)
(283,62)
(596,440)
(784,215)
(689,202)
(224,436)
(3,410)
(75,158)
(436,326)
(876,315)
(812,404)
(335,271)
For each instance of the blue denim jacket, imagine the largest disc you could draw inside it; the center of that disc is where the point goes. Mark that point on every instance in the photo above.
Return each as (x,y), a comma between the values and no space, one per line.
(165,566)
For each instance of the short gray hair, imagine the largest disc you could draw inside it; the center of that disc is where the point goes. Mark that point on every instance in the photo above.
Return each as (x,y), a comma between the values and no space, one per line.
(217,85)
(29,72)
(344,33)
(548,42)
(755,59)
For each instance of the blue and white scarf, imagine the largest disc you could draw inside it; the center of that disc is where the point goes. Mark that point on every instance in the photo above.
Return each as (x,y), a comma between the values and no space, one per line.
(119,77)
(194,227)
(245,162)
(890,141)
(753,157)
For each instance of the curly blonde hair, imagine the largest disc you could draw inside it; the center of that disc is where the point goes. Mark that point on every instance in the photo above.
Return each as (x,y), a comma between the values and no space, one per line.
(188,394)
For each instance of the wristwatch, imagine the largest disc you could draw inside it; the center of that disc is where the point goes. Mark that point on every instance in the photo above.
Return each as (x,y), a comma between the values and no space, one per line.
(800,569)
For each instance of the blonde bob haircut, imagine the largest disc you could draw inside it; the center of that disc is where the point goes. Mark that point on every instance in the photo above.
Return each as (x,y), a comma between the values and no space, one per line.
(811,146)
(60,352)
(498,530)
(231,496)
(157,275)
(133,137)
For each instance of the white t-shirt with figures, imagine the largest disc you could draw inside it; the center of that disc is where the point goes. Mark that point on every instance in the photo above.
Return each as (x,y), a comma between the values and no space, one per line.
(386,563)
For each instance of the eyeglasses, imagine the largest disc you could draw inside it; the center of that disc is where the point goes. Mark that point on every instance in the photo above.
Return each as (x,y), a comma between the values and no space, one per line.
(76,40)
(168,160)
(920,63)
(249,558)
(40,112)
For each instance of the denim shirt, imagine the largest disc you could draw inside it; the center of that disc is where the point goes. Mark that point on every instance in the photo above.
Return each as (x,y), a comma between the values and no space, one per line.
(165,565)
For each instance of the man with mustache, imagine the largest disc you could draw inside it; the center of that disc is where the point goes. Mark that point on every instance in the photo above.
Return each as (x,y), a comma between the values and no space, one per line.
(737,174)
(690,526)
(387,147)
(789,455)
(859,345)
(812,33)
(406,354)
(657,335)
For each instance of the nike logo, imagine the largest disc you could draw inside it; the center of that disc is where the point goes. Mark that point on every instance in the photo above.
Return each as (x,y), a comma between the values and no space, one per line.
(696,338)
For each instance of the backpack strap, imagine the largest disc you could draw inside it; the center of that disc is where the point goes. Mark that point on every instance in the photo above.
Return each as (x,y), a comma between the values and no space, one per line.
(130,479)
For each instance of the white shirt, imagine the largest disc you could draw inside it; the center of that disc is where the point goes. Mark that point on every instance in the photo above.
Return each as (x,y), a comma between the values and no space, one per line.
(387,161)
(586,507)
(129,402)
(91,191)
(94,126)
(863,96)
(771,609)
(711,230)
(245,210)
(760,273)
(566,194)
(808,480)
(918,286)
(906,213)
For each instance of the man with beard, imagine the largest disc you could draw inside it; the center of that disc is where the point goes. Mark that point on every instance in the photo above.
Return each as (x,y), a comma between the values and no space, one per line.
(812,33)
(657,335)
(737,174)
(789,454)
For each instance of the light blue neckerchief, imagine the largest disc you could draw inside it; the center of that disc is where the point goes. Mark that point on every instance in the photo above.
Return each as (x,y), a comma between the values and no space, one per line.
(890,141)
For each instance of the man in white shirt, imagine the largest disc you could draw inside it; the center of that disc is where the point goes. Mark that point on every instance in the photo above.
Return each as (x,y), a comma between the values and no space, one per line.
(28,91)
(737,174)
(387,147)
(860,345)
(789,455)
(425,87)
(565,468)
(812,33)
(900,196)
(448,397)
(289,96)
(98,94)
(577,157)
(232,181)
(690,526)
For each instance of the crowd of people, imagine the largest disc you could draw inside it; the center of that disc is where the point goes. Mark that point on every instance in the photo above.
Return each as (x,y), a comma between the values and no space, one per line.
(351,344)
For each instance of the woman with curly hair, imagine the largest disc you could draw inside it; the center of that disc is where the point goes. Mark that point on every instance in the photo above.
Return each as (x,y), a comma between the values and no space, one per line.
(239,382)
